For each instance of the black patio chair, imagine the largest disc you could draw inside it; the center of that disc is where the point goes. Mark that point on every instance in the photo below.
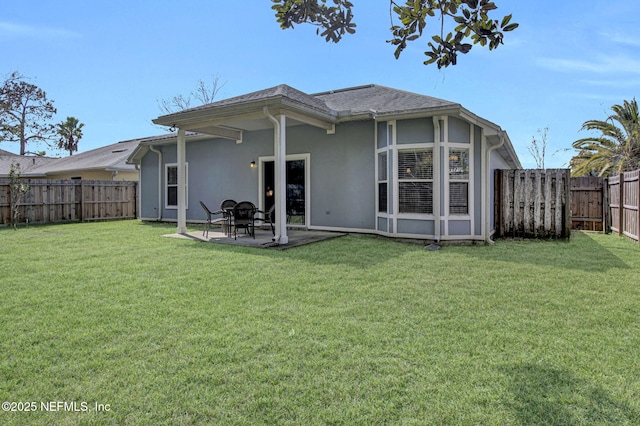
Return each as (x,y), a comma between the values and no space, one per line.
(267,217)
(210,219)
(243,217)
(226,210)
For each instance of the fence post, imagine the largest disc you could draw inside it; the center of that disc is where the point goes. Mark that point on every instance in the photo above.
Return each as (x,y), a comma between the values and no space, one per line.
(81,200)
(567,203)
(605,206)
(621,202)
(638,206)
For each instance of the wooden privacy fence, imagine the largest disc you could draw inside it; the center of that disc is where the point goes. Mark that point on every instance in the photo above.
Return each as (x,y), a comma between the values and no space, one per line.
(532,203)
(589,208)
(624,203)
(50,201)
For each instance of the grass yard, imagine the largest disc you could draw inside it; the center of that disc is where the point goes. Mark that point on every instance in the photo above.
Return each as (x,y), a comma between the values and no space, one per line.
(353,330)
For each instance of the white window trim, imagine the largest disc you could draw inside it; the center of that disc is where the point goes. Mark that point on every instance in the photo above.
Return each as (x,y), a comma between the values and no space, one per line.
(397,181)
(166,185)
(459,147)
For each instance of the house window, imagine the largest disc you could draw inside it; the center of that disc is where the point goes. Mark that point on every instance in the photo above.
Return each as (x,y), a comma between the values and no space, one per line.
(382,182)
(171,185)
(415,181)
(458,181)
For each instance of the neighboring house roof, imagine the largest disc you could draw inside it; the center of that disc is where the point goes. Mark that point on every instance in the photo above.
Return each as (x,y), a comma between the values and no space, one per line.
(143,147)
(107,158)
(28,163)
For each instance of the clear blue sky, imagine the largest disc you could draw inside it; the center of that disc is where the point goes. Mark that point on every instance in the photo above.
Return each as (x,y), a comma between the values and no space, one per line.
(108,62)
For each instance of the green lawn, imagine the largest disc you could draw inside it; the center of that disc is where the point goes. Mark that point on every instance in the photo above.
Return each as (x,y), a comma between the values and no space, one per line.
(353,330)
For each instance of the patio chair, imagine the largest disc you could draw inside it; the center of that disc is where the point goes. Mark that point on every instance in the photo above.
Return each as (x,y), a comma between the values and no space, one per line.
(243,217)
(210,219)
(267,217)
(226,209)
(227,204)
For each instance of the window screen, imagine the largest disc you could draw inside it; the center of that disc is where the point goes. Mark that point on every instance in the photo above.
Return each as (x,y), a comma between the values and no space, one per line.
(415,181)
(458,181)
(382,182)
(171,186)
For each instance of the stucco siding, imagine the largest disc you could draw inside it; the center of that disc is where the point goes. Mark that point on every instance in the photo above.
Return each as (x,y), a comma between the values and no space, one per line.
(148,191)
(459,130)
(416,227)
(342,173)
(459,227)
(419,130)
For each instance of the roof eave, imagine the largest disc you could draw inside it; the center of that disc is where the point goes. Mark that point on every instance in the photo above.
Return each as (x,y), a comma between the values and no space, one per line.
(277,105)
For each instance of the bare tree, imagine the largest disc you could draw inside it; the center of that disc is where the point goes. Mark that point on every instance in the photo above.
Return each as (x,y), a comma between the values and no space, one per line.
(538,147)
(203,94)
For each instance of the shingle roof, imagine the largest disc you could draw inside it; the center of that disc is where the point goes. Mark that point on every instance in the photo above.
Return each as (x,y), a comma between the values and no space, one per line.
(111,157)
(343,102)
(281,91)
(379,99)
(28,163)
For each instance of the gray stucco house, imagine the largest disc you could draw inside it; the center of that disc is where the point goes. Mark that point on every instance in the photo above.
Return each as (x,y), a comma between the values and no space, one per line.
(367,159)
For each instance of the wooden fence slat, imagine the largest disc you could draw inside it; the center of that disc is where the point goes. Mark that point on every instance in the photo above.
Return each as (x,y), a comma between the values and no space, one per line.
(50,201)
(535,203)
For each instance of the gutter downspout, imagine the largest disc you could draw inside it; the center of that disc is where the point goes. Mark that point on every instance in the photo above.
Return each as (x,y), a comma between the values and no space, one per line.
(488,233)
(152,149)
(436,172)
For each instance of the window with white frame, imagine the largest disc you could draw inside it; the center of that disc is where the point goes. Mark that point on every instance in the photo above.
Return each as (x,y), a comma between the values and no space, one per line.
(415,180)
(171,184)
(458,181)
(383,182)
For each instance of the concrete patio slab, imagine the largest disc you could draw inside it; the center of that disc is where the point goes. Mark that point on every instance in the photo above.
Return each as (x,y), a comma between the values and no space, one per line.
(263,238)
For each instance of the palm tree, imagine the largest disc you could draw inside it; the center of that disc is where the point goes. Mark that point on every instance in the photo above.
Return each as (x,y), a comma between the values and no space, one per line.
(616,150)
(70,133)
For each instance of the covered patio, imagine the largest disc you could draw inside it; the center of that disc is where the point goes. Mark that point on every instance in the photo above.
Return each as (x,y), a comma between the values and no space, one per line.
(277,108)
(263,238)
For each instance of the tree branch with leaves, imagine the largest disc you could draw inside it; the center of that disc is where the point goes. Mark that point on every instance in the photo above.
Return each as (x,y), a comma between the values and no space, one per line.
(472,20)
(17,190)
(615,149)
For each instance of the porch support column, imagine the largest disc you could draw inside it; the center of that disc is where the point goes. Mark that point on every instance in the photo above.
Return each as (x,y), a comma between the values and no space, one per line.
(182,190)
(280,166)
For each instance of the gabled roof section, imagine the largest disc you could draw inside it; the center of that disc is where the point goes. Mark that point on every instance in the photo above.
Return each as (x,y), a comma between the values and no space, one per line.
(281,91)
(233,113)
(110,158)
